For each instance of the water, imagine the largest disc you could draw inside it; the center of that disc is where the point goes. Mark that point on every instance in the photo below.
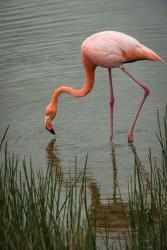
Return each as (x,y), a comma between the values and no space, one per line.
(40,50)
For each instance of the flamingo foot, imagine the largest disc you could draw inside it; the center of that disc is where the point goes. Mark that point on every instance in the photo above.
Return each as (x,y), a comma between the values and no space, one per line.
(130,137)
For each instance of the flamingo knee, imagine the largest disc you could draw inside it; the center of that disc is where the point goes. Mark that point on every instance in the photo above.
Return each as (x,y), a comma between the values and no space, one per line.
(111,103)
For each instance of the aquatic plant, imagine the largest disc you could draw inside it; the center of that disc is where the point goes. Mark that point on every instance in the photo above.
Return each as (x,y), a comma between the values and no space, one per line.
(36,212)
(148,200)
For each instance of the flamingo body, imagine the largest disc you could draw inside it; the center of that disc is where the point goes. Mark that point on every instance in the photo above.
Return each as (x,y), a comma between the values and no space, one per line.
(110,49)
(107,49)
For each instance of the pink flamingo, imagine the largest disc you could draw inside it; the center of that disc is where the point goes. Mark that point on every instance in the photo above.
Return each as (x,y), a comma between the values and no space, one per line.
(107,49)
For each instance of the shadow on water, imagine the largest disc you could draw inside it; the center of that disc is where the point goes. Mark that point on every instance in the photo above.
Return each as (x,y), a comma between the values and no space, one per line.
(110,213)
(53,159)
(142,169)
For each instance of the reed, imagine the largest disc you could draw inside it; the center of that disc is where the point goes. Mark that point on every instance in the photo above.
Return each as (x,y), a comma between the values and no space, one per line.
(36,212)
(148,200)
(35,215)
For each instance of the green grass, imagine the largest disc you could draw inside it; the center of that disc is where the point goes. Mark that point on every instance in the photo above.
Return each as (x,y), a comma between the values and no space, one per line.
(37,213)
(148,201)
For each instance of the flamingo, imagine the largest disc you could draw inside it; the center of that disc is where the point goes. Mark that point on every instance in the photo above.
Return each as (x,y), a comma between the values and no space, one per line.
(107,49)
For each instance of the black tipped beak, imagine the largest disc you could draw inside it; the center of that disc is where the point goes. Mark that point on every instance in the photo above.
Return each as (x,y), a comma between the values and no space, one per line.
(51,131)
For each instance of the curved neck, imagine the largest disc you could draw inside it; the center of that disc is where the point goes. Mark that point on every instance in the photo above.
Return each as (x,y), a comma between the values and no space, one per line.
(87,87)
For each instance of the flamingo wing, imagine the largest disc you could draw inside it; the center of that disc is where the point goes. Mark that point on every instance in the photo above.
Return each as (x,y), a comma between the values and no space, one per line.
(110,49)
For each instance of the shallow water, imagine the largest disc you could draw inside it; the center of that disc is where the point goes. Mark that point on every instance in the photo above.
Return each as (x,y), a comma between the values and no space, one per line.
(40,50)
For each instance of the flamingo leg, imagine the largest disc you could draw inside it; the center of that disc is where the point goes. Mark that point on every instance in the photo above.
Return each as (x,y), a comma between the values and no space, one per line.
(146,93)
(111,103)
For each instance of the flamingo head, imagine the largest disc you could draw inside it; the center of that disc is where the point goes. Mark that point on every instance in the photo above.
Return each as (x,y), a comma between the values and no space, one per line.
(50,113)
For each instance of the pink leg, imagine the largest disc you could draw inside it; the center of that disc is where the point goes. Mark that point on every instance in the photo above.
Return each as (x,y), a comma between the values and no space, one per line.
(111,103)
(146,93)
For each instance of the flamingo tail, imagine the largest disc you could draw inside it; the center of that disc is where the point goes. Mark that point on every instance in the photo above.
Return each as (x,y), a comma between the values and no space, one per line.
(148,54)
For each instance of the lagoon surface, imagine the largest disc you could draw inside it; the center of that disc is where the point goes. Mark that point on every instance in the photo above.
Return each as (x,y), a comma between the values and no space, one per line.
(40,50)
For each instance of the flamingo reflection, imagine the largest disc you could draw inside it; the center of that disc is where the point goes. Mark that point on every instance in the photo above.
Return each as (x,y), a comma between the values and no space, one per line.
(110,213)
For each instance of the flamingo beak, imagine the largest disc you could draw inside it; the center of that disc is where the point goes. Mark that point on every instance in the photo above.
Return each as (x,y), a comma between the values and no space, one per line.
(48,125)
